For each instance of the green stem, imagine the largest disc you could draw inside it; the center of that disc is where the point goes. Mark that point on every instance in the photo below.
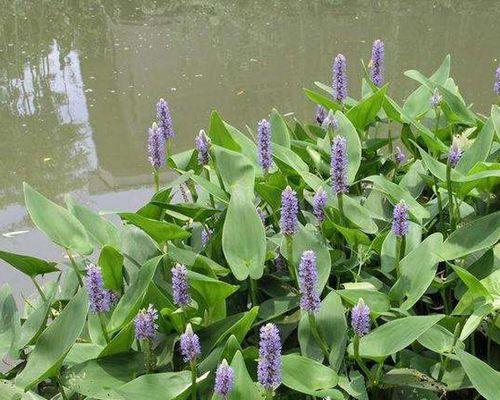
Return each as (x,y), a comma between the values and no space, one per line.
(61,389)
(193,380)
(289,252)
(315,332)
(269,394)
(253,291)
(360,361)
(440,205)
(444,364)
(38,287)
(156,177)
(211,197)
(149,356)
(400,245)
(340,198)
(450,196)
(75,267)
(103,327)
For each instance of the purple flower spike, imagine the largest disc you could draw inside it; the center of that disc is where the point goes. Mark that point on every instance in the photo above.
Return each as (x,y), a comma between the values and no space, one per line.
(224,380)
(400,156)
(400,219)
(202,143)
(262,215)
(377,63)
(330,121)
(264,145)
(164,119)
(206,233)
(156,147)
(190,345)
(320,114)
(455,153)
(280,263)
(289,211)
(180,286)
(360,318)
(339,79)
(144,323)
(339,165)
(435,99)
(319,204)
(496,87)
(308,278)
(269,367)
(183,189)
(99,298)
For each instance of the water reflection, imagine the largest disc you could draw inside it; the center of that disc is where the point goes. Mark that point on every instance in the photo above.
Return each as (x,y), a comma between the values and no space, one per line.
(78,80)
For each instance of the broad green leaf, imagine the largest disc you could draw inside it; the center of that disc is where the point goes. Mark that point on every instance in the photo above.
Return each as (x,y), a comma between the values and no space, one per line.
(212,290)
(9,320)
(388,251)
(484,378)
(137,247)
(279,129)
(475,319)
(94,378)
(55,342)
(100,230)
(111,263)
(274,307)
(416,272)
(358,215)
(475,286)
(28,265)
(219,135)
(248,147)
(211,188)
(332,326)
(479,150)
(131,300)
(412,378)
(347,130)
(365,112)
(244,238)
(9,391)
(495,116)
(237,172)
(309,377)
(56,222)
(397,193)
(412,181)
(121,342)
(394,336)
(284,155)
(439,340)
(377,302)
(322,100)
(479,234)
(243,388)
(160,231)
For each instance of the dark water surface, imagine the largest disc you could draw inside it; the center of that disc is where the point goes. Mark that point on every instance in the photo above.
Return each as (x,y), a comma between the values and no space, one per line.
(79,80)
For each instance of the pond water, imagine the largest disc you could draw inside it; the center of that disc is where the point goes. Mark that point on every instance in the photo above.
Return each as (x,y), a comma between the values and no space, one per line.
(79,80)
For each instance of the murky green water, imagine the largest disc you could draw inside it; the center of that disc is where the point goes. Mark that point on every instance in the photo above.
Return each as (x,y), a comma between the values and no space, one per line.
(79,80)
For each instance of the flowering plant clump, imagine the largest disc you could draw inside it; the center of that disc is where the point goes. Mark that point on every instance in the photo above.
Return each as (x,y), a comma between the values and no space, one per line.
(352,255)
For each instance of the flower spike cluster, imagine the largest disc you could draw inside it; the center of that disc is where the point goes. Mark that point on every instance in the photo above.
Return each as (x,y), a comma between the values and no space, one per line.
(99,298)
(164,119)
(400,155)
(308,279)
(144,323)
(202,143)
(400,219)
(455,153)
(320,114)
(224,380)
(360,318)
(339,165)
(339,78)
(190,345)
(264,145)
(319,204)
(269,366)
(289,212)
(180,286)
(496,86)
(377,63)
(156,147)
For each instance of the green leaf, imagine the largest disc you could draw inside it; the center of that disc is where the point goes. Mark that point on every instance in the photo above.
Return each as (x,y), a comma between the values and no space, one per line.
(244,238)
(219,135)
(9,391)
(212,290)
(111,263)
(397,193)
(347,129)
(484,378)
(477,235)
(277,306)
(279,130)
(55,342)
(474,284)
(394,336)
(121,342)
(322,100)
(94,378)
(479,150)
(131,300)
(28,265)
(308,376)
(332,326)
(160,231)
(413,282)
(237,172)
(358,215)
(439,340)
(137,247)
(243,388)
(56,222)
(388,251)
(364,113)
(377,302)
(9,320)
(100,230)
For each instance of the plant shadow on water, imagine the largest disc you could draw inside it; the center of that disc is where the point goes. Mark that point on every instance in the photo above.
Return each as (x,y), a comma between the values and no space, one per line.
(350,255)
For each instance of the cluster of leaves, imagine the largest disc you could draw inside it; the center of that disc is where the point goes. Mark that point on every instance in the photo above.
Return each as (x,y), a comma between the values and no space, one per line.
(435,317)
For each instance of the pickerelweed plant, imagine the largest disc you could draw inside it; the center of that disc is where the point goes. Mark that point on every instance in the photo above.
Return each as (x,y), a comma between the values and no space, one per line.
(354,255)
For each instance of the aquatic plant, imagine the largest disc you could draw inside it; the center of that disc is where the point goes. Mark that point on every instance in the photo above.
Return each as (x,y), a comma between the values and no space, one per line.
(350,256)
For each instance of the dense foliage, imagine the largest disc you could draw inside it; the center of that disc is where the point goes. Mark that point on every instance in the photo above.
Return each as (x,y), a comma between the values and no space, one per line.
(353,257)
